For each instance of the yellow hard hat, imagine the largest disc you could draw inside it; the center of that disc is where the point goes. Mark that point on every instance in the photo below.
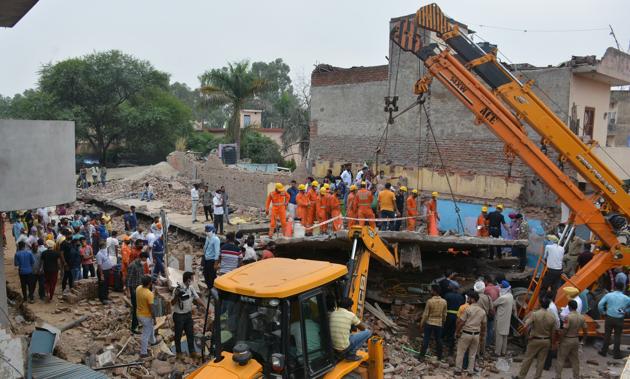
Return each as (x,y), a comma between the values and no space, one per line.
(571,292)
(403,188)
(363,183)
(484,209)
(499,206)
(279,186)
(326,185)
(414,191)
(353,188)
(322,190)
(315,183)
(434,193)
(301,187)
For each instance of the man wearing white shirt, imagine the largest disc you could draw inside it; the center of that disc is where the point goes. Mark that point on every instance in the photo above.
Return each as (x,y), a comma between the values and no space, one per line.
(553,309)
(112,245)
(104,268)
(553,256)
(218,210)
(194,198)
(572,294)
(346,177)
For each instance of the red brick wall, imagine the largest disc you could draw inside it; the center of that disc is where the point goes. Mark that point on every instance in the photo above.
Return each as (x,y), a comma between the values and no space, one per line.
(338,75)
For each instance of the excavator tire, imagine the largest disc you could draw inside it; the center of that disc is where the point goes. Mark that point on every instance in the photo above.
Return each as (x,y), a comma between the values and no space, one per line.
(353,375)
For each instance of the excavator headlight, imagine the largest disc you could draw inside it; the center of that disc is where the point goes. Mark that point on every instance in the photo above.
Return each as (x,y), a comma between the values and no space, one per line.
(274,302)
(277,362)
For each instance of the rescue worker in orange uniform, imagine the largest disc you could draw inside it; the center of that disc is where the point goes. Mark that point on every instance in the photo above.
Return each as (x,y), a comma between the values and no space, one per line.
(334,205)
(312,196)
(482,223)
(432,215)
(322,209)
(278,199)
(301,200)
(351,205)
(412,210)
(364,205)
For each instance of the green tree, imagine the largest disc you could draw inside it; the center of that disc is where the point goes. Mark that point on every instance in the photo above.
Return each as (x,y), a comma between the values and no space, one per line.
(212,116)
(98,89)
(260,148)
(233,85)
(154,120)
(203,142)
(32,105)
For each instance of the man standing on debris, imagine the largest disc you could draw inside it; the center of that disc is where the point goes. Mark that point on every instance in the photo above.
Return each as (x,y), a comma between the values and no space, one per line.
(301,202)
(433,218)
(24,261)
(104,265)
(219,210)
(135,273)
(553,259)
(387,206)
(322,209)
(485,302)
(569,343)
(312,195)
(470,327)
(495,221)
(131,220)
(400,206)
(453,301)
(364,205)
(226,209)
(351,205)
(206,201)
(278,200)
(144,296)
(211,252)
(482,223)
(95,173)
(335,209)
(231,256)
(504,309)
(412,210)
(194,199)
(540,325)
(615,304)
(432,321)
(183,298)
(293,192)
(522,233)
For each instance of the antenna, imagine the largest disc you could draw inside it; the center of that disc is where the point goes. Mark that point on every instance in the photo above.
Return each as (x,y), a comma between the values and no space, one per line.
(612,33)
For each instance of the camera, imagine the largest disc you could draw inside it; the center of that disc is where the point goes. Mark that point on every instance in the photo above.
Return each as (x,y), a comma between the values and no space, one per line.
(182,293)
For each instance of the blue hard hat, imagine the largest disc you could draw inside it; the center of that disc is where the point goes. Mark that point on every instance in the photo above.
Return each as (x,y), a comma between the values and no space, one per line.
(210,228)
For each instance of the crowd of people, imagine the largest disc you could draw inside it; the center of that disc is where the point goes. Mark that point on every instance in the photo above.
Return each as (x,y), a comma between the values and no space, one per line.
(84,245)
(98,174)
(465,324)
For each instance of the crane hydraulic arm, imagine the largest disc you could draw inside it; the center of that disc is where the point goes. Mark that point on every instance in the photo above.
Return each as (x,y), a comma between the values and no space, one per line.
(490,110)
(365,244)
(528,107)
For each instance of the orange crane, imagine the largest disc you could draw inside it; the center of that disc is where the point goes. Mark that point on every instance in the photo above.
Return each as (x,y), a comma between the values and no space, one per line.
(501,102)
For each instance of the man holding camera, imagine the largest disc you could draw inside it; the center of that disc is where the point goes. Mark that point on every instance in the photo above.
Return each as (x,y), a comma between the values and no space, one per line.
(183,299)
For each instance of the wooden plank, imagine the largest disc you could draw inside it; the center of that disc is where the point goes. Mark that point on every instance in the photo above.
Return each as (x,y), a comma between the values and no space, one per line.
(381,316)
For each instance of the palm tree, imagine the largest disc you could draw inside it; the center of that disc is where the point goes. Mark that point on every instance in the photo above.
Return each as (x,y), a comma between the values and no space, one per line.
(233,85)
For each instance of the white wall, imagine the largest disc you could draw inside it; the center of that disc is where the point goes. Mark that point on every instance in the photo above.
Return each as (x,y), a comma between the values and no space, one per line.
(36,164)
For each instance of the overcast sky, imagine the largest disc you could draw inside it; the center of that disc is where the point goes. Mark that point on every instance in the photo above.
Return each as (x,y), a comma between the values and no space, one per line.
(187,37)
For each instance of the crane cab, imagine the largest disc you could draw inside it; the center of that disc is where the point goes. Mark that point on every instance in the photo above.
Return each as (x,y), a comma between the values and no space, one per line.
(271,320)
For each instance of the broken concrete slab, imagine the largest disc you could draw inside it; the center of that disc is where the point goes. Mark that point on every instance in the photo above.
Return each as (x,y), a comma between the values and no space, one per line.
(13,350)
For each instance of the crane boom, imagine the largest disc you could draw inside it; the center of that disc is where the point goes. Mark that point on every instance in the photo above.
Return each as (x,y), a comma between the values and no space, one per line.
(529,107)
(490,110)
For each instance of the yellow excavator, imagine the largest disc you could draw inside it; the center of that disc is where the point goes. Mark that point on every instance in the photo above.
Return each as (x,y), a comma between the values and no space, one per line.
(271,317)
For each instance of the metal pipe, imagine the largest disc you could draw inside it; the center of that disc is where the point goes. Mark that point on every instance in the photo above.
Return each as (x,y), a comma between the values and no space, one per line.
(116,366)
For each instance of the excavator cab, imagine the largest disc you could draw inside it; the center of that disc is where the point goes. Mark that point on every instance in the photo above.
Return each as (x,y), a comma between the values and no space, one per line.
(271,321)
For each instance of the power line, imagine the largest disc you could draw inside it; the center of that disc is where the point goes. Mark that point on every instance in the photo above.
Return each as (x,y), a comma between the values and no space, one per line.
(525,30)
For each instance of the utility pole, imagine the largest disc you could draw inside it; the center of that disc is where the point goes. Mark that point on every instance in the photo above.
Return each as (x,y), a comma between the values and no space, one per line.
(612,33)
(164,221)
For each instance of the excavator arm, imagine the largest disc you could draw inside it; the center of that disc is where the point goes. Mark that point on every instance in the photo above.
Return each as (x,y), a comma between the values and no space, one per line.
(365,244)
(454,72)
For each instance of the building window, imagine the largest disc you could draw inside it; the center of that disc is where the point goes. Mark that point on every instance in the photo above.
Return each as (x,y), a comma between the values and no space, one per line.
(247,120)
(589,122)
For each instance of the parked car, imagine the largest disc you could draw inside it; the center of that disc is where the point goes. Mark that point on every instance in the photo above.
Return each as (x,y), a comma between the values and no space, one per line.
(86,161)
